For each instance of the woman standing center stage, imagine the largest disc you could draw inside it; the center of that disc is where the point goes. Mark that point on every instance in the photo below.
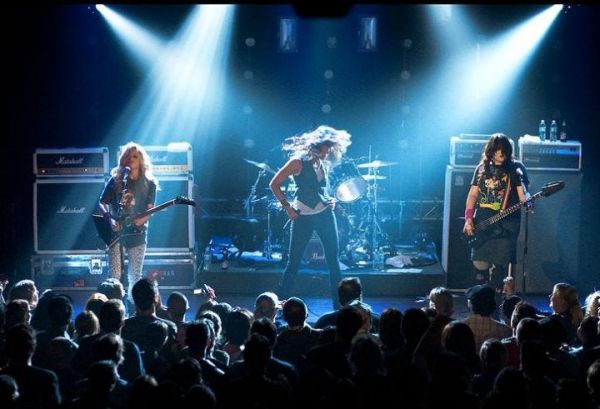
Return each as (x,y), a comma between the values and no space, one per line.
(311,158)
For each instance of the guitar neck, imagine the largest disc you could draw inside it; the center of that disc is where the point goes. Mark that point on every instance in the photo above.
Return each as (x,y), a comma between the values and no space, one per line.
(155,209)
(503,214)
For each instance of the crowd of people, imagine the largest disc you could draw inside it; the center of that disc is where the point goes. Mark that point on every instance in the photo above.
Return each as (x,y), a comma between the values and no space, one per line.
(504,352)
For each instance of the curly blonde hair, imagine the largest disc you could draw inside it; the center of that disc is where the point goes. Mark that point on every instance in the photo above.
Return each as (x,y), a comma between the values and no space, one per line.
(299,145)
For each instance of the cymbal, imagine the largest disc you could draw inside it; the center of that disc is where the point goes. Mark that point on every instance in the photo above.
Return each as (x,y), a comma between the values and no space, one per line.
(373,177)
(259,165)
(376,164)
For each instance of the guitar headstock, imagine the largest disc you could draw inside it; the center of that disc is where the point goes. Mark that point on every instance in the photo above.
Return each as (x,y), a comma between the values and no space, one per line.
(552,187)
(184,200)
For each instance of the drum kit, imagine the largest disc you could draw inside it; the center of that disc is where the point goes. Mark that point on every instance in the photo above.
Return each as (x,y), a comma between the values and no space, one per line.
(360,234)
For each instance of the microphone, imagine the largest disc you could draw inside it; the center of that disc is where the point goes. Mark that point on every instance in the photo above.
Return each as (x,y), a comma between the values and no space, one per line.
(126,171)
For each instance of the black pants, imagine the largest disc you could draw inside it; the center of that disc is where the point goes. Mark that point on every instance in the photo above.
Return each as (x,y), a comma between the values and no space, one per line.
(302,228)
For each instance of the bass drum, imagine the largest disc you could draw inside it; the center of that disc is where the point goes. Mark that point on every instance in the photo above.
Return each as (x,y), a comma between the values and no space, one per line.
(314,255)
(346,182)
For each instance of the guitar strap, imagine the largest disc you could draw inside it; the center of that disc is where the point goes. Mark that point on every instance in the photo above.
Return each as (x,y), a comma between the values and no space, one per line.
(507,194)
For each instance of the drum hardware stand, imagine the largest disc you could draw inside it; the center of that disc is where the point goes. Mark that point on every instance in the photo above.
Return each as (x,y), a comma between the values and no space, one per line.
(251,199)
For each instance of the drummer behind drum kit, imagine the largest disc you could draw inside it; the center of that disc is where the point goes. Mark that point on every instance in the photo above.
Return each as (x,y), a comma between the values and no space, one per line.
(361,239)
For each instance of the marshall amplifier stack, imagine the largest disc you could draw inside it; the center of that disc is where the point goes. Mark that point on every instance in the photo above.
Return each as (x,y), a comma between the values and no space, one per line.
(68,252)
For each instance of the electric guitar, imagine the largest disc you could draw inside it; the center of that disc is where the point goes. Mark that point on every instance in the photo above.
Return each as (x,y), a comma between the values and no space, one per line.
(110,237)
(484,230)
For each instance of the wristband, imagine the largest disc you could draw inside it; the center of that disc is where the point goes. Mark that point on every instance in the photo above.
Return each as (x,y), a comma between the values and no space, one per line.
(469,213)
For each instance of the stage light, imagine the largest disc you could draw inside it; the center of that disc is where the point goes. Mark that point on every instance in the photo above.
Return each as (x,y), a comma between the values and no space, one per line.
(288,35)
(328,74)
(141,43)
(332,42)
(405,75)
(250,42)
(326,108)
(183,92)
(249,75)
(367,36)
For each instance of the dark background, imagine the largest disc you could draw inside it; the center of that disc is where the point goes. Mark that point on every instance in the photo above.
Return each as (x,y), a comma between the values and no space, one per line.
(67,79)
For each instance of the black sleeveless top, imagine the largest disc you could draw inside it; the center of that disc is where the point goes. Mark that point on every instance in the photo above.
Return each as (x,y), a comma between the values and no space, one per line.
(311,191)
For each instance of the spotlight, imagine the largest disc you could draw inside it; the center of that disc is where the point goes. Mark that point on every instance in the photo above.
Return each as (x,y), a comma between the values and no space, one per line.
(328,74)
(250,42)
(405,75)
(287,35)
(367,36)
(326,108)
(332,42)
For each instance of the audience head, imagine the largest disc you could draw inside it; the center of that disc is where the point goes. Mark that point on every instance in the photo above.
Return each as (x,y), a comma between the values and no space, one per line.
(508,306)
(60,311)
(112,315)
(266,328)
(197,336)
(390,328)
(266,305)
(62,351)
(528,329)
(295,312)
(177,306)
(102,377)
(112,288)
(20,343)
(257,353)
(9,391)
(349,288)
(94,303)
(86,323)
(108,347)
(593,381)
(554,334)
(17,312)
(441,300)
(215,319)
(144,293)
(365,312)
(458,337)
(493,355)
(592,304)
(564,300)
(522,310)
(25,290)
(482,300)
(588,331)
(157,334)
(366,356)
(237,326)
(348,321)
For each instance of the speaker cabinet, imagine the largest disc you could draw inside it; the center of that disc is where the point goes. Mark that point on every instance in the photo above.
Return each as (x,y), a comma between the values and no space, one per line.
(455,253)
(62,215)
(172,229)
(553,253)
(553,233)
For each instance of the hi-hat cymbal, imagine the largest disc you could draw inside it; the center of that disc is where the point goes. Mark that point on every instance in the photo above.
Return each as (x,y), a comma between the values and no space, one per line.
(373,177)
(259,165)
(376,164)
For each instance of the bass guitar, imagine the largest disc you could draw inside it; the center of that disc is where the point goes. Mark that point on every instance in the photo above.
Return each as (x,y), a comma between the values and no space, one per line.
(110,237)
(483,230)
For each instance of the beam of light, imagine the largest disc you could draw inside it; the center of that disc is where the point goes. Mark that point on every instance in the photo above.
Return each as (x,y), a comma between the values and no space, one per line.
(143,45)
(471,88)
(182,95)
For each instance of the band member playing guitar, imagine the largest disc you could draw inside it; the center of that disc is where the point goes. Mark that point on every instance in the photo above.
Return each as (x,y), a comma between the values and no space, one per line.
(498,182)
(130,191)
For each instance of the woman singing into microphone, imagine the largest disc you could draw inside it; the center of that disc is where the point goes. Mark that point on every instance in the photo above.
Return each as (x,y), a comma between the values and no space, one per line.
(130,191)
(312,154)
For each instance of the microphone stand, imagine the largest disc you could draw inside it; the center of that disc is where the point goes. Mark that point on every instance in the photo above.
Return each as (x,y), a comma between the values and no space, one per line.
(248,205)
(525,252)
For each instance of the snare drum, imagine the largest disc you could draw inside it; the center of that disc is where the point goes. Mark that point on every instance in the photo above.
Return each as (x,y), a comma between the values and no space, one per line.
(346,182)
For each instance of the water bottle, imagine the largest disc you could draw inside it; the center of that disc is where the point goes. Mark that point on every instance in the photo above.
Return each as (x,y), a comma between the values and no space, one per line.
(542,130)
(378,260)
(563,131)
(553,131)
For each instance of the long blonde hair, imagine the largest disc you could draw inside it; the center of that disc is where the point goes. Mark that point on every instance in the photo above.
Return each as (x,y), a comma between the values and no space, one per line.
(145,162)
(568,293)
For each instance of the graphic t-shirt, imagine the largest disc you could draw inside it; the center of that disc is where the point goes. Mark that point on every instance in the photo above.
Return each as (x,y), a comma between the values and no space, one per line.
(493,182)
